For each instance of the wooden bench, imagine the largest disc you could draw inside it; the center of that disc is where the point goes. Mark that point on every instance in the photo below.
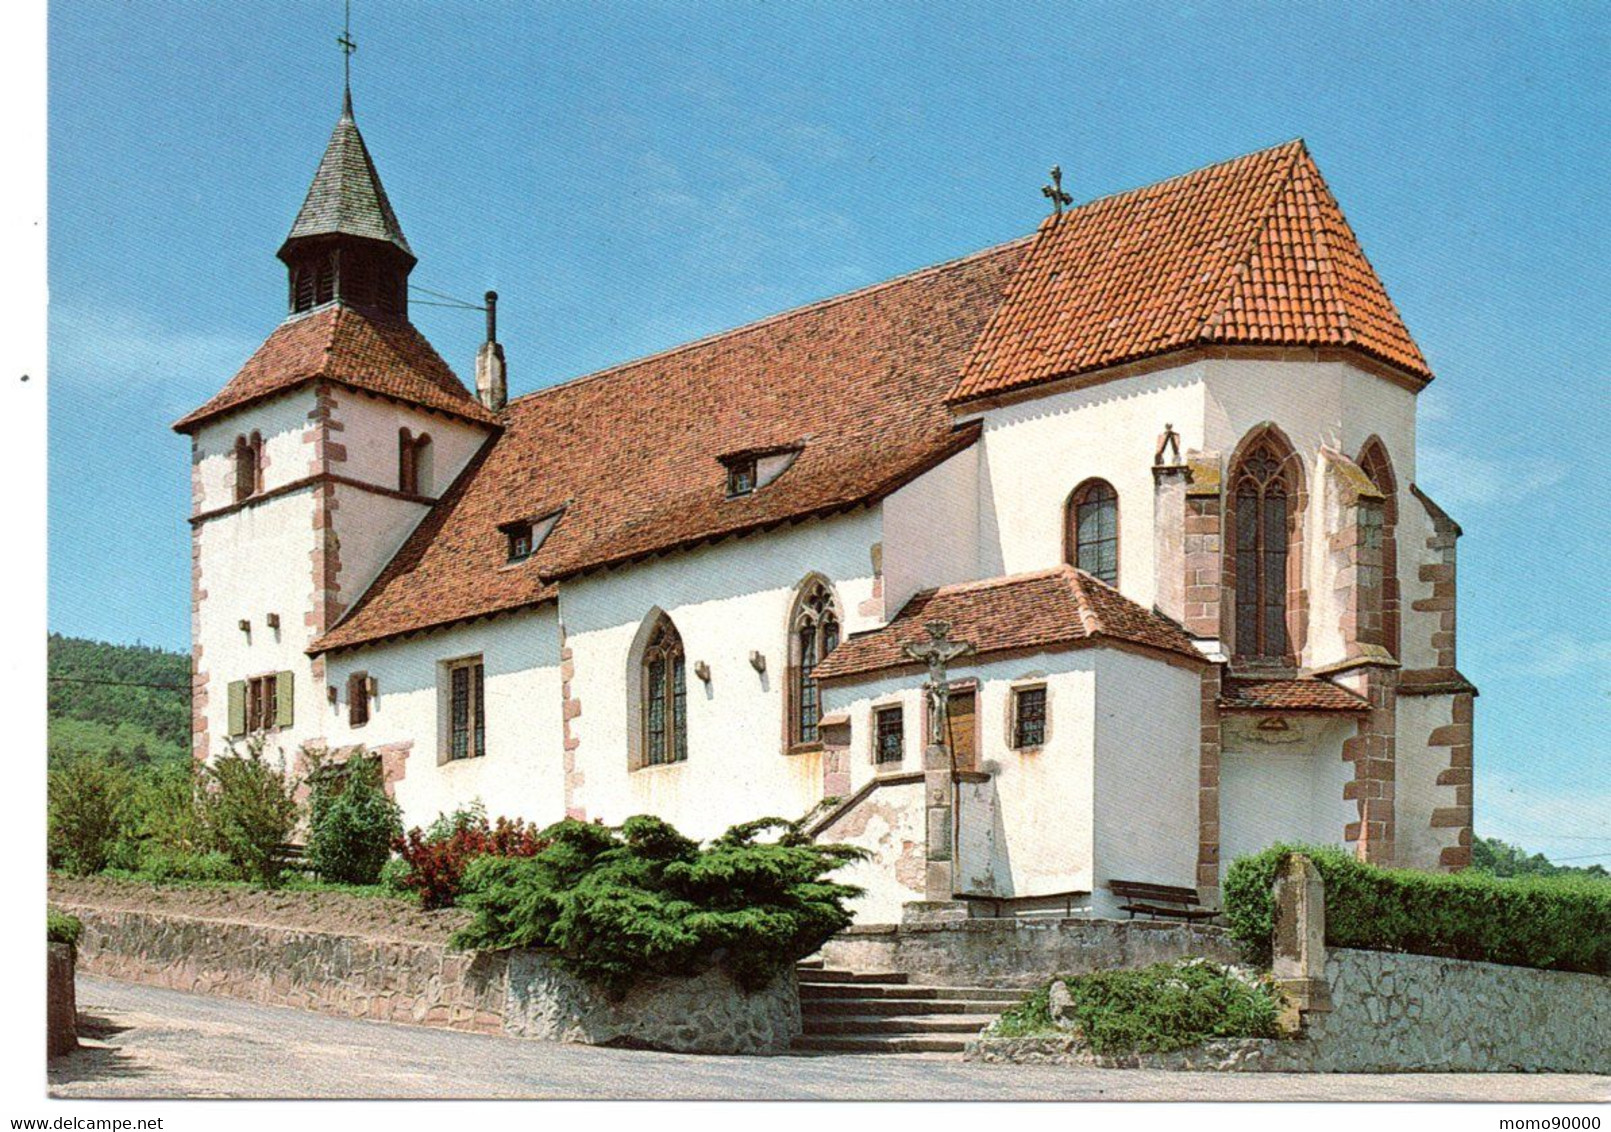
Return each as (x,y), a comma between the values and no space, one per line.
(1163,900)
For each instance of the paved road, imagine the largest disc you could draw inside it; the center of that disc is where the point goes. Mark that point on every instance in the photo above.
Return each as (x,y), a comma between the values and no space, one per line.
(147,1042)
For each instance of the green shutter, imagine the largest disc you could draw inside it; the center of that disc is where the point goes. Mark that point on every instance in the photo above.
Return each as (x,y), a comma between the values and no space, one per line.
(237,709)
(284,714)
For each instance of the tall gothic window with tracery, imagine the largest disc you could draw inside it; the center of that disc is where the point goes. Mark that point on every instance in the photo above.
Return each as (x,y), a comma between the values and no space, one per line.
(814,633)
(665,697)
(1263,497)
(1093,530)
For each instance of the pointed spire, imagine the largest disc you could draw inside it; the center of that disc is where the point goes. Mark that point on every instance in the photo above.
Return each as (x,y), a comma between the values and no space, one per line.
(346,197)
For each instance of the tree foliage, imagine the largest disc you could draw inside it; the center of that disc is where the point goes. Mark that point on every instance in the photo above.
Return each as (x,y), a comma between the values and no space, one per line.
(131,699)
(1501,859)
(248,808)
(352,823)
(616,904)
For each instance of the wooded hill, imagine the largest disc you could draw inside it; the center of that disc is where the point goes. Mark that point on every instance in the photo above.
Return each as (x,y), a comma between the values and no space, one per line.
(128,703)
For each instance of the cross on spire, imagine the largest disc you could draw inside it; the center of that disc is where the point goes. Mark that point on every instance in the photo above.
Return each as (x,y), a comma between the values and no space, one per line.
(348,45)
(1054,191)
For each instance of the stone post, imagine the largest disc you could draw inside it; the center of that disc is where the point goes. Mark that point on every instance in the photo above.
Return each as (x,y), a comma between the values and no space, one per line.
(1169,478)
(939,809)
(1299,944)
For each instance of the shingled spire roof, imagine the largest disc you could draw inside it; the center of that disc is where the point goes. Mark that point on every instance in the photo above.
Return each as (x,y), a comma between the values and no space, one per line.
(346,197)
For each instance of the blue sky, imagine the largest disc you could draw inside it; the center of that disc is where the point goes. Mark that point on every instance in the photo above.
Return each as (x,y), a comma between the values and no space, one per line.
(632,175)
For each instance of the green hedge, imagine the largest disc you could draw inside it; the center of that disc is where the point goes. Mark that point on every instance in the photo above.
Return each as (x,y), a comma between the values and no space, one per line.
(1554,923)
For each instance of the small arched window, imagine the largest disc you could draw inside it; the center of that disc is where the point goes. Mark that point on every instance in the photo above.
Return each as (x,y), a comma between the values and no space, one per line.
(813,634)
(248,466)
(413,462)
(1092,539)
(665,697)
(1263,497)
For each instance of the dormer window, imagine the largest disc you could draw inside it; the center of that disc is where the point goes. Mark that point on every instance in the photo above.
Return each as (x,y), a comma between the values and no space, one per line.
(741,476)
(525,536)
(751,469)
(520,541)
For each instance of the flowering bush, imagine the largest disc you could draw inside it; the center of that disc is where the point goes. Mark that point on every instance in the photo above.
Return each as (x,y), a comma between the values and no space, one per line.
(437,857)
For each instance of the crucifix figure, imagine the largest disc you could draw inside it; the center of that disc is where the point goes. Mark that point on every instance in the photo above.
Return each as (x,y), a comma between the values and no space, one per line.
(348,46)
(1054,191)
(937,652)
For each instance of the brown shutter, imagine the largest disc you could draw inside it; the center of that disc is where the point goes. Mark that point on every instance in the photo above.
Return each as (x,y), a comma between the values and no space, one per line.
(283,713)
(237,708)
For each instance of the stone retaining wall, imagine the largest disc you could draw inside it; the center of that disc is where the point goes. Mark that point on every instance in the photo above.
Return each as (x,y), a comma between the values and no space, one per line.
(523,993)
(1393,1013)
(1020,953)
(61,1000)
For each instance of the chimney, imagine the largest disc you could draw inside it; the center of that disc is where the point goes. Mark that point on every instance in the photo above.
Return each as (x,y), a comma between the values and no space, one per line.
(491,380)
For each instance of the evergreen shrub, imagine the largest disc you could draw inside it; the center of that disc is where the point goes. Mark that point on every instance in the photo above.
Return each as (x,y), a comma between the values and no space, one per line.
(1166,1006)
(615,904)
(352,823)
(1555,923)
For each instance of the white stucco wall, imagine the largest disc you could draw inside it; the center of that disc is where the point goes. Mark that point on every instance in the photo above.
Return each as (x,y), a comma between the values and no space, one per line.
(283,423)
(1034,453)
(522,773)
(1417,793)
(931,530)
(1416,627)
(245,577)
(1146,766)
(890,826)
(1039,828)
(369,430)
(1282,786)
(726,601)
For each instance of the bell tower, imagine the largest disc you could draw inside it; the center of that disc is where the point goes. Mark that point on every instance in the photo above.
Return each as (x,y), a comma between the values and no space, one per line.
(346,245)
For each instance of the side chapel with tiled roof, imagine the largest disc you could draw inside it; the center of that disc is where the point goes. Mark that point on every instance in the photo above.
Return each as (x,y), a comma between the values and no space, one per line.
(1144,480)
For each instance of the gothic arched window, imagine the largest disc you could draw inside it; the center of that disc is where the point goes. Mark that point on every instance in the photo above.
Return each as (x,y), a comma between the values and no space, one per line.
(1092,538)
(665,697)
(813,634)
(1263,498)
(1380,524)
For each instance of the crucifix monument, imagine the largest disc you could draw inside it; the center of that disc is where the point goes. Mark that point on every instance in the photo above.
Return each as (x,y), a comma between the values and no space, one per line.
(939,770)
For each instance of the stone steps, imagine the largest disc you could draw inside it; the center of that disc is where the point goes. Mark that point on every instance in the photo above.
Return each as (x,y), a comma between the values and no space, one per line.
(820,975)
(899,1025)
(882,1013)
(832,991)
(877,1043)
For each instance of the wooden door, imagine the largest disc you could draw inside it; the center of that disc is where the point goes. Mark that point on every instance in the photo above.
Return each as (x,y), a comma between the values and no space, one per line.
(964,730)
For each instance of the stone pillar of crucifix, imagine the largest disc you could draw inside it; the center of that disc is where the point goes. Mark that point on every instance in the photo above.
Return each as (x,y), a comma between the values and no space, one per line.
(939,769)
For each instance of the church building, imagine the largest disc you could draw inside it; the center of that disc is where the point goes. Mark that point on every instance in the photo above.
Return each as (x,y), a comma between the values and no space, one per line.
(1152,467)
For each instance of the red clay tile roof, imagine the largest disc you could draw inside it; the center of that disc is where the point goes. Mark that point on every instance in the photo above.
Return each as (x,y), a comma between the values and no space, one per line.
(337,343)
(1254,251)
(857,382)
(1302,693)
(1045,611)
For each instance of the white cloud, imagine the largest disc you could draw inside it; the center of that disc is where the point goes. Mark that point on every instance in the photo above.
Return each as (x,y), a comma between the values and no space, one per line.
(123,352)
(1537,652)
(1459,479)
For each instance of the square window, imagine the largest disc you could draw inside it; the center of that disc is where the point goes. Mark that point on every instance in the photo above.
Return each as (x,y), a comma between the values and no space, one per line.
(519,542)
(262,702)
(889,740)
(741,477)
(1028,718)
